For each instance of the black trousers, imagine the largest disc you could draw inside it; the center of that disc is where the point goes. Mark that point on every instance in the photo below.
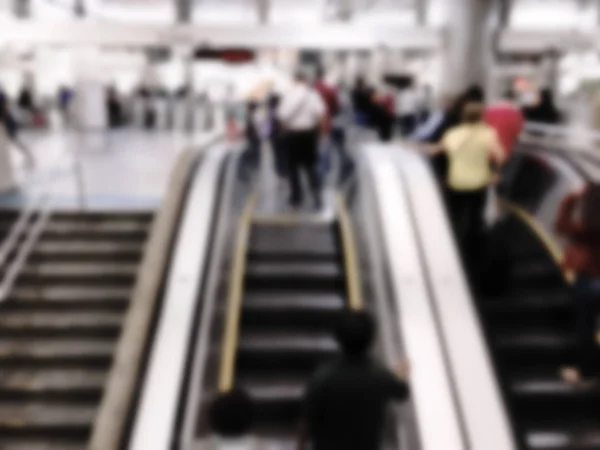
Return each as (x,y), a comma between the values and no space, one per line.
(302,149)
(467,209)
(587,311)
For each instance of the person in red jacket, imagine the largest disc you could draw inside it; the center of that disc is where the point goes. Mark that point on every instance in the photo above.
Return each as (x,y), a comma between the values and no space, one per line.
(578,220)
(507,119)
(329,96)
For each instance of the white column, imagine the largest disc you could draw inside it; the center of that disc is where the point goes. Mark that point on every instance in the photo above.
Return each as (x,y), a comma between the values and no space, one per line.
(90,105)
(468,43)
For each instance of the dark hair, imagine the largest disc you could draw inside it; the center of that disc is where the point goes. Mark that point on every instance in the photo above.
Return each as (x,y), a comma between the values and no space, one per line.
(251,105)
(474,94)
(232,414)
(355,333)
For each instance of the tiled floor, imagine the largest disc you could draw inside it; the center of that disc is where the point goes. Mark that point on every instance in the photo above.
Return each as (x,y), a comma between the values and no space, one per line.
(123,169)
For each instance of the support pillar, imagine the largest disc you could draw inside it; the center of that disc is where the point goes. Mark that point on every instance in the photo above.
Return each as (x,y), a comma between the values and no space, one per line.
(468,50)
(183,10)
(22,8)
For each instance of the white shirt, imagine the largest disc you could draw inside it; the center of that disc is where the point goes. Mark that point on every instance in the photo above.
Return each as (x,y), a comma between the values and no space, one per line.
(301,109)
(407,102)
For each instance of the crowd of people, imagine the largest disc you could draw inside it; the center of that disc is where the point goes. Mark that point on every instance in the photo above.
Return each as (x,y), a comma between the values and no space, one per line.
(344,402)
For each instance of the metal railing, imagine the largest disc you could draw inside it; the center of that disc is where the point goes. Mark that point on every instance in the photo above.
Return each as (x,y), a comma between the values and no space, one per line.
(22,237)
(543,236)
(235,297)
(353,278)
(568,139)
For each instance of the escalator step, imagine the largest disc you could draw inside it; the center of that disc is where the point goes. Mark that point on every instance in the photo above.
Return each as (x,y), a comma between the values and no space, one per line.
(300,242)
(524,302)
(526,312)
(544,396)
(298,276)
(531,348)
(291,310)
(563,434)
(276,402)
(534,273)
(284,352)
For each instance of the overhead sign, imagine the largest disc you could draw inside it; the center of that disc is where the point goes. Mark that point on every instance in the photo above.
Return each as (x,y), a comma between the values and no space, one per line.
(231,55)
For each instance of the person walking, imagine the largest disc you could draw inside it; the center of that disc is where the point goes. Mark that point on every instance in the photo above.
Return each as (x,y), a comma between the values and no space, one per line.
(11,127)
(344,403)
(301,113)
(473,148)
(578,220)
(545,111)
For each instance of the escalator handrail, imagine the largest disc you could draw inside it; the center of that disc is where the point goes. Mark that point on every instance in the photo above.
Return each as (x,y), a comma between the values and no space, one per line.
(352,274)
(437,416)
(544,237)
(484,418)
(182,265)
(235,295)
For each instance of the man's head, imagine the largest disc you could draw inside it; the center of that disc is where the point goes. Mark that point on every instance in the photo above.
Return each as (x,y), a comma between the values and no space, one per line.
(232,414)
(474,94)
(355,333)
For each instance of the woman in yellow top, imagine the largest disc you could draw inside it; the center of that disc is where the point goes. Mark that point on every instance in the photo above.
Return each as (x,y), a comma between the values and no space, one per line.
(475,156)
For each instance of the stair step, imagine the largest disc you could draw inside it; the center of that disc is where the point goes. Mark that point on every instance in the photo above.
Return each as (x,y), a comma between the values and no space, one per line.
(60,297)
(106,230)
(31,443)
(74,385)
(79,273)
(55,353)
(48,420)
(49,324)
(67,250)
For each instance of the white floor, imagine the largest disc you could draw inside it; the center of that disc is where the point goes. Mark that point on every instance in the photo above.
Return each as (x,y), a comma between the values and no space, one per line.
(121,169)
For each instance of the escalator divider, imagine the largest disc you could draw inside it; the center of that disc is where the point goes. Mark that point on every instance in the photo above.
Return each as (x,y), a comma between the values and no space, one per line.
(353,281)
(235,297)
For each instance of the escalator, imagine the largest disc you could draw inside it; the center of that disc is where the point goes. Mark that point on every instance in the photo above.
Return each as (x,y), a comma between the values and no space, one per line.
(60,324)
(294,290)
(529,321)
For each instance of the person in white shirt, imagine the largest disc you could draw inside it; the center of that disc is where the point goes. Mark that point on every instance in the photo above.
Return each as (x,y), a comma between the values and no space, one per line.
(231,417)
(407,110)
(301,113)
